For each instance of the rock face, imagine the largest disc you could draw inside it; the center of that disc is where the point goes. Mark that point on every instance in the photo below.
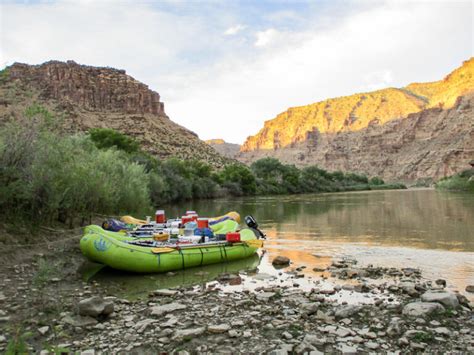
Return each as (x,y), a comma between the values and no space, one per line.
(420,131)
(86,97)
(229,150)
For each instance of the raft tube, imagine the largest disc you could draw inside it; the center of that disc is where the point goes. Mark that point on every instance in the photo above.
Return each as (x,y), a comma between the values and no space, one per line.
(114,251)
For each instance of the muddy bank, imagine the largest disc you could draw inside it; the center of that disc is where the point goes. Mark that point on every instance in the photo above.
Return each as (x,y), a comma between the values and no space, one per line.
(45,304)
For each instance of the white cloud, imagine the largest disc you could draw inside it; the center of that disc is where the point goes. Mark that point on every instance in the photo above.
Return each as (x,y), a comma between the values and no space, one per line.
(226,89)
(377,80)
(234,30)
(265,37)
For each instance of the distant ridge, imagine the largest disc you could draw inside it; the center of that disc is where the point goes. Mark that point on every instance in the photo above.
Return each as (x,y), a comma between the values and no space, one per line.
(424,130)
(229,150)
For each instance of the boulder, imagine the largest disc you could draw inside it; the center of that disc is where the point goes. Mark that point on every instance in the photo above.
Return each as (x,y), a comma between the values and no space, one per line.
(420,309)
(446,298)
(470,288)
(281,260)
(95,306)
(346,311)
(166,308)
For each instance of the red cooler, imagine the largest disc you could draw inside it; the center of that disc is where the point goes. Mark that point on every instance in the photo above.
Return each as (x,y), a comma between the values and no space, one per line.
(186,219)
(160,216)
(194,217)
(203,222)
(233,237)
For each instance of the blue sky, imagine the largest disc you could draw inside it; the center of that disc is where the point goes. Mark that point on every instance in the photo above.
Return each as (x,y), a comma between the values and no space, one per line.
(224,67)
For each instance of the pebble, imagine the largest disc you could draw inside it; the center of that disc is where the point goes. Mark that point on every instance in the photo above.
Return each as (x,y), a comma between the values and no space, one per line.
(218,328)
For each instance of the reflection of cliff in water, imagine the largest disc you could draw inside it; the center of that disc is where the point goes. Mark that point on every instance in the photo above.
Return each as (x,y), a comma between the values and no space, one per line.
(409,218)
(136,286)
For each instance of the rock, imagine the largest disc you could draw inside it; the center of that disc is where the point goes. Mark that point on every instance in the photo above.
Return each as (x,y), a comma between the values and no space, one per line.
(265,296)
(79,321)
(43,330)
(394,327)
(346,311)
(446,298)
(233,333)
(143,324)
(218,328)
(441,282)
(287,335)
(309,308)
(409,287)
(420,309)
(372,345)
(165,292)
(188,333)
(342,332)
(348,350)
(442,331)
(3,339)
(88,352)
(470,288)
(166,308)
(362,288)
(281,260)
(95,307)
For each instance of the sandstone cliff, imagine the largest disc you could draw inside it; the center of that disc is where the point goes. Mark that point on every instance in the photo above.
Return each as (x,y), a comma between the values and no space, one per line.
(424,130)
(85,97)
(229,150)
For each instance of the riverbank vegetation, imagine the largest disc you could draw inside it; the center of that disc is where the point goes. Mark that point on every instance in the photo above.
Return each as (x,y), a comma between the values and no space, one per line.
(47,176)
(463,181)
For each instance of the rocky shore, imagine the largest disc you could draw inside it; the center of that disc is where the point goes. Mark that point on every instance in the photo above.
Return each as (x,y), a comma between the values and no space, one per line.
(400,312)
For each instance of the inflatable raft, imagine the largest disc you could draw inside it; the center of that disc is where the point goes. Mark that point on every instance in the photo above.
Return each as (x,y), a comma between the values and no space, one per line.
(123,252)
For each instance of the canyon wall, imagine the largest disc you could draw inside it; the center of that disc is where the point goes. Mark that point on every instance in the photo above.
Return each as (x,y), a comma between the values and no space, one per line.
(85,97)
(424,130)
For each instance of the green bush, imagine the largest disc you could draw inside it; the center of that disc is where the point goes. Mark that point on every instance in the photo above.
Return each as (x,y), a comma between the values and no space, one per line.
(105,138)
(376,181)
(456,183)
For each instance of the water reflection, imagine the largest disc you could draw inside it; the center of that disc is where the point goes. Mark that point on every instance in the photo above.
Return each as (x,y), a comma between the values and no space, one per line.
(415,218)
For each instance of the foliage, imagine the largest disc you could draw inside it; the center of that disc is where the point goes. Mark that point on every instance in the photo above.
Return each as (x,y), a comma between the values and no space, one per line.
(4,75)
(376,181)
(45,176)
(108,138)
(18,344)
(463,181)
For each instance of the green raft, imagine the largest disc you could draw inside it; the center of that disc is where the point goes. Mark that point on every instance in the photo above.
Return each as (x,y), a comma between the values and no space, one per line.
(112,249)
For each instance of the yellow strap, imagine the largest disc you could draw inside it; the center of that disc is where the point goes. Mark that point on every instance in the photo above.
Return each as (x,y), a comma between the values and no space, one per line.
(255,243)
(162,250)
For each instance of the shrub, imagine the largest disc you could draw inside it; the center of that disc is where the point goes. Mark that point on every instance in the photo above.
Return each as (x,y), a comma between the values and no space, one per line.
(376,181)
(105,138)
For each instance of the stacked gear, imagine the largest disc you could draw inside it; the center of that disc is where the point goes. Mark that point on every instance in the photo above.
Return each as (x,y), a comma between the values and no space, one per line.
(171,245)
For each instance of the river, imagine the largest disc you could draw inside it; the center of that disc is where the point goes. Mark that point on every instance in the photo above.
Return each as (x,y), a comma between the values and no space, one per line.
(419,228)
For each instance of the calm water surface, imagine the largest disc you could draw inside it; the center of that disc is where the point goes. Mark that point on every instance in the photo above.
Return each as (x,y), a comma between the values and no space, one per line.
(424,228)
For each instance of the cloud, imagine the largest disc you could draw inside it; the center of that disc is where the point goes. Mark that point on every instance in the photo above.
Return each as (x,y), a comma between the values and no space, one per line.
(265,37)
(377,80)
(234,30)
(223,88)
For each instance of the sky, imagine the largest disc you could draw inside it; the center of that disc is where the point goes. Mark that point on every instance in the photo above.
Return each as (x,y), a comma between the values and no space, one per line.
(223,67)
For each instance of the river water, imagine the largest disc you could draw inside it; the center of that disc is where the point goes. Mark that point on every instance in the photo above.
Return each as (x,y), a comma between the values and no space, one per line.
(420,228)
